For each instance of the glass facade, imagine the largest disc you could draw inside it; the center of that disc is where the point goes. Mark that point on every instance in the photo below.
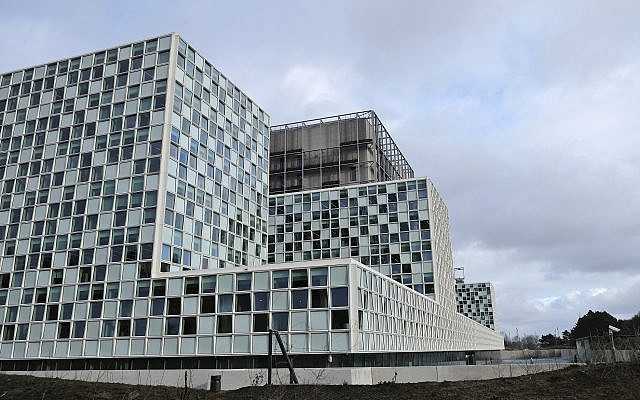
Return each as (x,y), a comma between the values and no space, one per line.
(80,155)
(384,225)
(318,307)
(476,301)
(392,317)
(117,166)
(88,143)
(114,313)
(217,171)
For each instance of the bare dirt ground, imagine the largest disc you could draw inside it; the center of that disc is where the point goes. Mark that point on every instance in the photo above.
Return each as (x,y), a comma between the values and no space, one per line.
(621,381)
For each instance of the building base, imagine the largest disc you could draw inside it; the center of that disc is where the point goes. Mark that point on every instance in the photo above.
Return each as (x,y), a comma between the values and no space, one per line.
(231,379)
(353,360)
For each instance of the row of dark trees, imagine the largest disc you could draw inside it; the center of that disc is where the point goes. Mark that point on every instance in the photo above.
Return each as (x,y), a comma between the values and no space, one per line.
(593,323)
(596,323)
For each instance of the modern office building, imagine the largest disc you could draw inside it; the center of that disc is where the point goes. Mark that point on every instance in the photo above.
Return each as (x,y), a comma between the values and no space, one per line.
(135,219)
(476,301)
(333,151)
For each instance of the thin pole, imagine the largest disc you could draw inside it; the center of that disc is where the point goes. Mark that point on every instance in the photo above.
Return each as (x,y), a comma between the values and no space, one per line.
(270,364)
(292,374)
(613,346)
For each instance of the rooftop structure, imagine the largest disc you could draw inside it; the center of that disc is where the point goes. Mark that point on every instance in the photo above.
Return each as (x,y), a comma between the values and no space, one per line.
(334,151)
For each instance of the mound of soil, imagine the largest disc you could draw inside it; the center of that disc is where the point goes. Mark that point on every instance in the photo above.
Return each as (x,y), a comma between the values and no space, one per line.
(620,381)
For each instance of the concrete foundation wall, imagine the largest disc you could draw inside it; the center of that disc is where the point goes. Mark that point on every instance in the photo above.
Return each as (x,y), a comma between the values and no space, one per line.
(504,355)
(234,379)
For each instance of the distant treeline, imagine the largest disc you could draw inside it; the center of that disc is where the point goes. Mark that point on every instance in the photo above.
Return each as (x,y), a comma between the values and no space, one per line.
(593,323)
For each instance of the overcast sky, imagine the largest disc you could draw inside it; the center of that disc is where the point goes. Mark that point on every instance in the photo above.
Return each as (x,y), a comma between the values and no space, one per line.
(524,115)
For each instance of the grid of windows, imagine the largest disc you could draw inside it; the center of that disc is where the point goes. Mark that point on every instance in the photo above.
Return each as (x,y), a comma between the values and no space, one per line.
(393,318)
(217,189)
(337,306)
(385,226)
(475,300)
(82,148)
(112,311)
(79,159)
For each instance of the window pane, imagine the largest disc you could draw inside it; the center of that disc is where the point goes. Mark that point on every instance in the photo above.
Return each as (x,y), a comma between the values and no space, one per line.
(300,298)
(319,298)
(225,303)
(340,297)
(260,322)
(261,301)
(280,321)
(189,326)
(280,279)
(299,278)
(339,319)
(172,326)
(224,324)
(208,304)
(243,302)
(319,276)
(243,281)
